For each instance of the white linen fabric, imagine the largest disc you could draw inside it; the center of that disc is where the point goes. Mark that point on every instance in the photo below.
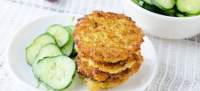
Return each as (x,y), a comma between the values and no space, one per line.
(178,68)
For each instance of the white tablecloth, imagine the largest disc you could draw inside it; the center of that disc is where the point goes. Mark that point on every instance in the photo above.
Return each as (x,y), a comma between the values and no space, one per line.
(179,65)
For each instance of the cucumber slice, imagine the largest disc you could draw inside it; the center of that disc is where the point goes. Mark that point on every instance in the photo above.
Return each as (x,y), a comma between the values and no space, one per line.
(136,1)
(164,4)
(33,49)
(72,84)
(60,34)
(180,15)
(171,12)
(57,72)
(48,50)
(189,6)
(68,47)
(148,2)
(139,2)
(69,88)
(69,28)
(152,8)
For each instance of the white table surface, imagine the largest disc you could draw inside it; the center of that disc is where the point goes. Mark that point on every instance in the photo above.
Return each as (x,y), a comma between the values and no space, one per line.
(179,65)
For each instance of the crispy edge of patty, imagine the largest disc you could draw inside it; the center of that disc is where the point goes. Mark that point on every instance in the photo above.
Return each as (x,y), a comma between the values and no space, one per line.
(90,72)
(104,54)
(114,68)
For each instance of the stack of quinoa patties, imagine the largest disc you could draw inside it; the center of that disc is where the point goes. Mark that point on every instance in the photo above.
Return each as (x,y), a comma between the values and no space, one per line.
(108,47)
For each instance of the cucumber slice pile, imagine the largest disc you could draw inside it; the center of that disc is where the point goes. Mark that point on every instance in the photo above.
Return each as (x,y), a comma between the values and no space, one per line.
(177,8)
(50,56)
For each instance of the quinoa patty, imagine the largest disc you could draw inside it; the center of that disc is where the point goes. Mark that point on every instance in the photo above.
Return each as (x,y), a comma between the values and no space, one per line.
(90,72)
(114,68)
(107,37)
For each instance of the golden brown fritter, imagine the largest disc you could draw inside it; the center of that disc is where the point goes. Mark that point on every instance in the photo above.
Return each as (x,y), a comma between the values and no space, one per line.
(90,72)
(114,67)
(113,81)
(107,37)
(87,71)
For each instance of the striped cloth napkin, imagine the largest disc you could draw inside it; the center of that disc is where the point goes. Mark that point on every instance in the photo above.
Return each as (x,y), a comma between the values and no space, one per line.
(178,68)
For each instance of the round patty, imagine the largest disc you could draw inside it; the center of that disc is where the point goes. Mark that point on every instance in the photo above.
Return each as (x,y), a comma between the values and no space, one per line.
(90,72)
(114,68)
(107,37)
(113,81)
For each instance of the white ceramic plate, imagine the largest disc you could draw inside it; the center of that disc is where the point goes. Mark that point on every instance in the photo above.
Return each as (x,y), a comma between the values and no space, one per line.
(22,72)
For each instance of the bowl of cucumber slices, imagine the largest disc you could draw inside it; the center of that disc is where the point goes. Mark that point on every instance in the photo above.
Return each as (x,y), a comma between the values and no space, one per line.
(169,19)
